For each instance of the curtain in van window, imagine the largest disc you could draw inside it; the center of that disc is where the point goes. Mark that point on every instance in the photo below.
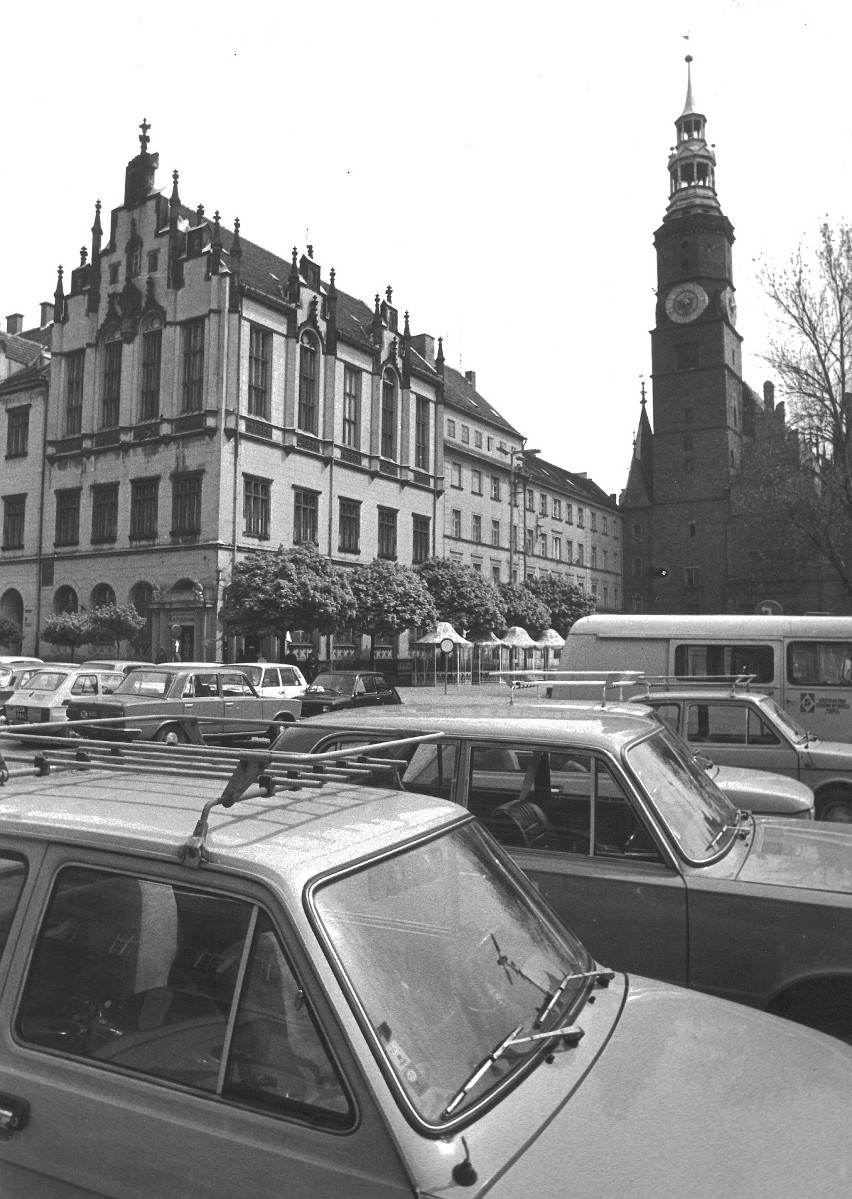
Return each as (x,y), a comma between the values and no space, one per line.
(724,661)
(819,663)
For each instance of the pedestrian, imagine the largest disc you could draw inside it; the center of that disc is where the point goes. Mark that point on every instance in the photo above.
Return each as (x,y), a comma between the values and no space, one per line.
(290,658)
(310,667)
(162,655)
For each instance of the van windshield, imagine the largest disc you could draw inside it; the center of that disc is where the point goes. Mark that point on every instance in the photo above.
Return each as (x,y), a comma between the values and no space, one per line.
(794,730)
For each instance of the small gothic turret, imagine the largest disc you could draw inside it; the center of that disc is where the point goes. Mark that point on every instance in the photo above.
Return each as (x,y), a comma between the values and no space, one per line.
(439,357)
(331,310)
(293,286)
(94,297)
(378,324)
(59,313)
(216,245)
(140,173)
(692,163)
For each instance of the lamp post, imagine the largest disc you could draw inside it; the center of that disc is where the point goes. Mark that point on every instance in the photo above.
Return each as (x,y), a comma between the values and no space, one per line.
(517,479)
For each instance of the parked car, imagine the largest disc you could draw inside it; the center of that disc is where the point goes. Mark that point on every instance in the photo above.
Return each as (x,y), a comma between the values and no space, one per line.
(737,727)
(347,689)
(184,701)
(12,677)
(47,694)
(124,665)
(630,842)
(359,995)
(274,678)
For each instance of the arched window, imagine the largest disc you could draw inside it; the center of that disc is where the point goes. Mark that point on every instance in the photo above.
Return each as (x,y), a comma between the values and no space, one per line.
(389,415)
(12,607)
(308,416)
(102,595)
(65,600)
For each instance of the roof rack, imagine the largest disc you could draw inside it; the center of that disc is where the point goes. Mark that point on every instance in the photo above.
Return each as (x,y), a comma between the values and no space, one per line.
(603,679)
(673,682)
(270,770)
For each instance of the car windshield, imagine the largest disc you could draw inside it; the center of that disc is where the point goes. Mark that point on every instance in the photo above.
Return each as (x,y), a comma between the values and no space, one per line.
(698,817)
(145,682)
(788,723)
(46,680)
(448,955)
(339,684)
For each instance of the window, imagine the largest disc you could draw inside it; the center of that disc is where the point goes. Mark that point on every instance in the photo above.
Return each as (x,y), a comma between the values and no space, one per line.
(495,487)
(569,514)
(193,366)
(489,443)
(111,400)
(819,663)
(557,548)
(186,504)
(476,529)
(455,474)
(104,513)
(349,530)
(593,517)
(387,533)
(153,261)
(529,542)
(465,434)
(75,367)
(692,528)
(388,446)
(495,574)
(451,428)
(256,506)
(114,268)
(581,518)
(542,505)
(477,439)
(557,509)
(152,353)
(17,432)
(68,516)
(173,965)
(143,509)
(605,525)
(102,597)
(308,415)
(495,532)
(688,443)
(725,660)
(352,381)
(305,517)
(569,551)
(530,500)
(421,539)
(692,576)
(605,560)
(727,724)
(421,433)
(476,482)
(455,523)
(542,544)
(260,347)
(580,555)
(594,557)
(14,507)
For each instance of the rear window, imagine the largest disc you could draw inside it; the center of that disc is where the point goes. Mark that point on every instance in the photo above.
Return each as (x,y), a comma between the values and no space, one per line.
(724,661)
(47,680)
(819,663)
(145,682)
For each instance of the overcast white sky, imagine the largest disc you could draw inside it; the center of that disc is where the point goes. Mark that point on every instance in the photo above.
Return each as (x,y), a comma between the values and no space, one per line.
(503,166)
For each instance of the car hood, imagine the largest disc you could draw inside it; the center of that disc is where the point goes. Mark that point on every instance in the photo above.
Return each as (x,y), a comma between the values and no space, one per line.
(828,755)
(761,791)
(693,1096)
(815,857)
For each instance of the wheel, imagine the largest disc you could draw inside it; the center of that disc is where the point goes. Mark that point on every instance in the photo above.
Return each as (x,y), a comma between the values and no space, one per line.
(171,734)
(835,803)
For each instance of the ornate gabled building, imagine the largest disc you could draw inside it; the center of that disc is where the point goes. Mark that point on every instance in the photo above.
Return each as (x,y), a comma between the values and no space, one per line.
(208,398)
(676,503)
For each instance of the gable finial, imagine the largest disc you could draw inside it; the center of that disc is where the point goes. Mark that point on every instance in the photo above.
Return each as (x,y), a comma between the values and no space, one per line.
(144,139)
(389,293)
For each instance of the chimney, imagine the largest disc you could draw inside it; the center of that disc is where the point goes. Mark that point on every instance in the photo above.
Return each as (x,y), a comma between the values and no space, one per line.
(470,377)
(768,396)
(46,313)
(15,322)
(424,345)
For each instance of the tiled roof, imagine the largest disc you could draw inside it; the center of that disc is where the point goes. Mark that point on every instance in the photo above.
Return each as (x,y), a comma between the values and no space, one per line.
(43,336)
(463,397)
(30,376)
(566,482)
(21,348)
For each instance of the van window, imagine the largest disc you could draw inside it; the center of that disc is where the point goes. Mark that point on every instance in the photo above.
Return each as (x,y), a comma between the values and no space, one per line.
(819,663)
(724,661)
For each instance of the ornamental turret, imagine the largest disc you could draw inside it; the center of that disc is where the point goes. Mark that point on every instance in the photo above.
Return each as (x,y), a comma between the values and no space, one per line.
(692,163)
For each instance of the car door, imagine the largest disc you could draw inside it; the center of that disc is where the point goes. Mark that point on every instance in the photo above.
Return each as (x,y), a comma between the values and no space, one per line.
(160,1040)
(200,697)
(243,708)
(571,821)
(364,694)
(737,734)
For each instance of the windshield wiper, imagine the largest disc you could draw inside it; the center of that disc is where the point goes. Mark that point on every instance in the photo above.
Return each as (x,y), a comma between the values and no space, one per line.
(571,1034)
(602,977)
(731,828)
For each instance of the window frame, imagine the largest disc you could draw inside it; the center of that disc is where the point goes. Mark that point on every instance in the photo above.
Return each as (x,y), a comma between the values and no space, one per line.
(348,525)
(192,374)
(111,381)
(104,513)
(144,508)
(75,374)
(151,374)
(257,506)
(305,516)
(387,540)
(17,431)
(353,381)
(260,370)
(186,503)
(14,521)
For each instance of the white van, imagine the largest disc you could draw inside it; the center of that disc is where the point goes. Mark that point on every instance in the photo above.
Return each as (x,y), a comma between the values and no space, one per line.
(803,662)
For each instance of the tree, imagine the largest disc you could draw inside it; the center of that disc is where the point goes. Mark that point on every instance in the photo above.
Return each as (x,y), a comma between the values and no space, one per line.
(566,602)
(463,596)
(113,623)
(524,608)
(389,598)
(10,633)
(71,629)
(298,588)
(811,355)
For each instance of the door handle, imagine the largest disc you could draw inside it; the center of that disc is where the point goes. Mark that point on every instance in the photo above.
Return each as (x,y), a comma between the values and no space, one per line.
(14,1115)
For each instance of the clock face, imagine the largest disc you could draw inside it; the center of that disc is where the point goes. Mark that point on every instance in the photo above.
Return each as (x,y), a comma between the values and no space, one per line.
(730,305)
(685,302)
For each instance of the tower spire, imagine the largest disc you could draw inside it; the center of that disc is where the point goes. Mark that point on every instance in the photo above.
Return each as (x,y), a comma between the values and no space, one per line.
(692,163)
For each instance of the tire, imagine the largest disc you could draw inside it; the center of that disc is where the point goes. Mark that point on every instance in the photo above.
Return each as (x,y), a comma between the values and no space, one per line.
(835,803)
(171,734)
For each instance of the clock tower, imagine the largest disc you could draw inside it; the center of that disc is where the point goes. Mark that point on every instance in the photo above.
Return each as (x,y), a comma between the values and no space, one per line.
(679,564)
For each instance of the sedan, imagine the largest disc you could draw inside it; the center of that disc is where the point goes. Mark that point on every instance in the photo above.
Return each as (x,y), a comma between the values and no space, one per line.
(47,694)
(273,678)
(348,689)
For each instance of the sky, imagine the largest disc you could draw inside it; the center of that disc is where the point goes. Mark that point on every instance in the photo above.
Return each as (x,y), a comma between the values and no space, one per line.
(501,166)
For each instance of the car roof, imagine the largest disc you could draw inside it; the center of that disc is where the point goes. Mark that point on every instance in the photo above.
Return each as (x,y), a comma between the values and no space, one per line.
(703,693)
(609,727)
(289,837)
(283,665)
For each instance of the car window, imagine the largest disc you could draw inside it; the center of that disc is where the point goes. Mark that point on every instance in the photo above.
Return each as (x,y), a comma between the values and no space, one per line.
(360,687)
(669,714)
(289,678)
(201,686)
(177,985)
(555,800)
(432,768)
(725,661)
(12,876)
(270,678)
(85,684)
(47,680)
(819,663)
(728,724)
(146,682)
(234,683)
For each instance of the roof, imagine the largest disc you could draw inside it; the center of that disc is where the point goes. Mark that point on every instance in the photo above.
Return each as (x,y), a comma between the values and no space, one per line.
(289,837)
(557,478)
(21,348)
(711,626)
(37,375)
(462,396)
